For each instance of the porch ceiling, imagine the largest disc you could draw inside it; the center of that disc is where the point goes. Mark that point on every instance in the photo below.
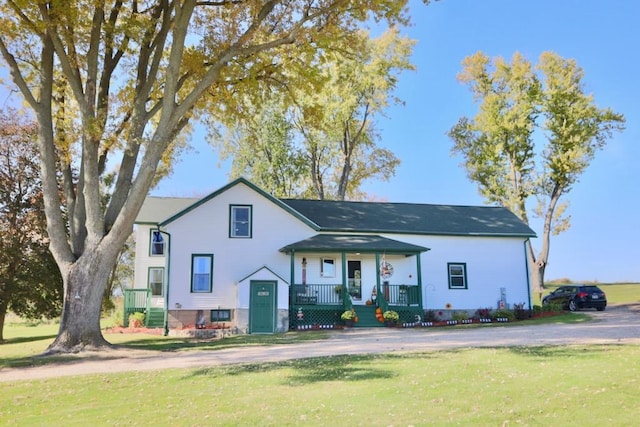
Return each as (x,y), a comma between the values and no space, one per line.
(353,243)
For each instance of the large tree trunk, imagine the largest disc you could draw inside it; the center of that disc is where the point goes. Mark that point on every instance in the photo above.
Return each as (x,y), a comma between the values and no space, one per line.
(536,270)
(3,314)
(537,280)
(84,285)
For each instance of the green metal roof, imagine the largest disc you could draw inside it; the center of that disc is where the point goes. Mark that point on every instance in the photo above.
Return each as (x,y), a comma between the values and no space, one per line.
(352,243)
(330,216)
(410,218)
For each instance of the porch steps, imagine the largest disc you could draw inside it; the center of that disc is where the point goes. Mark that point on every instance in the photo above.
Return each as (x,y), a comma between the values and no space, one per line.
(154,318)
(367,317)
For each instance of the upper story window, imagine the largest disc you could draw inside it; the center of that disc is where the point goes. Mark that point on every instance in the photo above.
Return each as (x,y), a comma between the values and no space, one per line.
(457,275)
(240,221)
(157,243)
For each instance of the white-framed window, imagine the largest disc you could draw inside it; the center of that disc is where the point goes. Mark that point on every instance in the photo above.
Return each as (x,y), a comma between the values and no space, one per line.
(156,281)
(157,243)
(327,267)
(240,221)
(201,272)
(457,275)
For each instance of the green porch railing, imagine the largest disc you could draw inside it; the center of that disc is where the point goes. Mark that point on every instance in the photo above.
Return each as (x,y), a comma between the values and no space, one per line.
(400,295)
(322,305)
(135,300)
(317,305)
(314,294)
(403,299)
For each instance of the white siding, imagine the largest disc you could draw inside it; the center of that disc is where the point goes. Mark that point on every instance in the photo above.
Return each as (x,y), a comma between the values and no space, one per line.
(143,260)
(205,230)
(492,263)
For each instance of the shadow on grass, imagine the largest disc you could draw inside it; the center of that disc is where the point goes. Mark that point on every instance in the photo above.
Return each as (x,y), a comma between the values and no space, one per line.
(311,370)
(179,344)
(160,344)
(554,352)
(22,340)
(43,360)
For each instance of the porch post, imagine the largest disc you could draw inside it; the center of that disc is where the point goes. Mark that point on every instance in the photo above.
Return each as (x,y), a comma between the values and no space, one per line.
(419,267)
(378,289)
(292,279)
(344,280)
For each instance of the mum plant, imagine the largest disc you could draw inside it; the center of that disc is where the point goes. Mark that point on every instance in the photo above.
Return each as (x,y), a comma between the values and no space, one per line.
(391,316)
(349,315)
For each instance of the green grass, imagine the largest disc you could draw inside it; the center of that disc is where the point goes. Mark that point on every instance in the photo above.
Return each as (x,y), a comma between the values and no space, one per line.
(570,385)
(573,385)
(24,343)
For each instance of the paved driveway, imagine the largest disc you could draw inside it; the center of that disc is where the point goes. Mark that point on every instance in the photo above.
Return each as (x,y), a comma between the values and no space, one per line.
(616,325)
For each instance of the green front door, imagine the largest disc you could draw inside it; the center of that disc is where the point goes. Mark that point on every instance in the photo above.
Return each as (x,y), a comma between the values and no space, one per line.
(262,308)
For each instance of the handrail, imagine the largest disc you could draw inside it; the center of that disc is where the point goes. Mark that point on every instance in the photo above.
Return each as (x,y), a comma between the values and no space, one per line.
(401,295)
(318,294)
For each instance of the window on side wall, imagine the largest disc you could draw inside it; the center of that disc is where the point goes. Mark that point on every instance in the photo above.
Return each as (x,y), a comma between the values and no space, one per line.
(240,221)
(201,272)
(156,281)
(457,275)
(157,243)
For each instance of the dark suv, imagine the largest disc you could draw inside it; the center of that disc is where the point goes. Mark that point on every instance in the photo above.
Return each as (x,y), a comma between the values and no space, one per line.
(574,297)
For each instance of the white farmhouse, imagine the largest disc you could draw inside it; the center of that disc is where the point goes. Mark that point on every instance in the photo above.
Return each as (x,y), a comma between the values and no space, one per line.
(242,259)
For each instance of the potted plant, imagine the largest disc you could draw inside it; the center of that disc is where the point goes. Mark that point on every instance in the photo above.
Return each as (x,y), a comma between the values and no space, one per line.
(349,317)
(390,317)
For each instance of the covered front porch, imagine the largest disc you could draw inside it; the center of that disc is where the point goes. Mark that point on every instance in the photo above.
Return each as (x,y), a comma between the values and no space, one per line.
(333,273)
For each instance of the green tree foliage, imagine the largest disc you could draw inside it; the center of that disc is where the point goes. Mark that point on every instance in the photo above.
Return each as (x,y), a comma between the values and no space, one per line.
(518,104)
(318,139)
(30,282)
(114,84)
(263,147)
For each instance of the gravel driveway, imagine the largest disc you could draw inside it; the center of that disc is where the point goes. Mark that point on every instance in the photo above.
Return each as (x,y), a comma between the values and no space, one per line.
(617,325)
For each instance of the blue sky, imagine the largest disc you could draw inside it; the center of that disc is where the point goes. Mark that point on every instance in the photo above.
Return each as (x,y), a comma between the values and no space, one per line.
(602,243)
(603,37)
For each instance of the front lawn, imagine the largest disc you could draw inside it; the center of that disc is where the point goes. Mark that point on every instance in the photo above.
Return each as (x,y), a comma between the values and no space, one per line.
(568,385)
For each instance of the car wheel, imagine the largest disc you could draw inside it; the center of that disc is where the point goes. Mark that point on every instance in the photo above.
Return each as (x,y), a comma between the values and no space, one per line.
(572,305)
(600,308)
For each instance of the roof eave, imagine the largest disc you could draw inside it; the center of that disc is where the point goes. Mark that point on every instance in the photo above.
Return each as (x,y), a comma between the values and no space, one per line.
(249,184)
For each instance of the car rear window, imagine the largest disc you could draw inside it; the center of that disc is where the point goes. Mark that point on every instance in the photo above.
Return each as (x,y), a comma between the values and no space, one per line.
(591,289)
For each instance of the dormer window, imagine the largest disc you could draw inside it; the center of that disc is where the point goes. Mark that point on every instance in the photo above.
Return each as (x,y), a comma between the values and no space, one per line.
(157,243)
(240,221)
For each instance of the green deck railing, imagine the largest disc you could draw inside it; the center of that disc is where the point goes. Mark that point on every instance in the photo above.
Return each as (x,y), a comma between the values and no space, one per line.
(135,300)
